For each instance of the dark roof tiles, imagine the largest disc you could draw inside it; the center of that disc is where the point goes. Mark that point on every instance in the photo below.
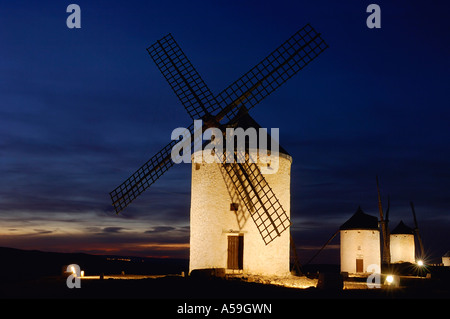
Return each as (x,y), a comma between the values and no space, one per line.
(360,220)
(402,229)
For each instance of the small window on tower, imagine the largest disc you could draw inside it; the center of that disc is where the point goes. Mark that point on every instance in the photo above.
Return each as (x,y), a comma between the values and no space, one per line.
(197,166)
(234,206)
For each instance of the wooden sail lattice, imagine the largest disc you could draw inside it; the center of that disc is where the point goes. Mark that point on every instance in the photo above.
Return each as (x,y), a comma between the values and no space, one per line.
(221,111)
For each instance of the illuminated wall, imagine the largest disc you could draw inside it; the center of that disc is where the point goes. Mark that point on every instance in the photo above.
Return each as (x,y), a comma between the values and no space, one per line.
(212,221)
(446,261)
(359,246)
(402,248)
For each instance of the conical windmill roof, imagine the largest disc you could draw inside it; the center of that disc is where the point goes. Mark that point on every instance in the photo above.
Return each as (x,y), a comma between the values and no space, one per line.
(360,220)
(402,229)
(246,121)
(447,254)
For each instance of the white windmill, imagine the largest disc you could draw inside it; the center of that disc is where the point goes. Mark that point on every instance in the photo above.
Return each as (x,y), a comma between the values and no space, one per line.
(236,211)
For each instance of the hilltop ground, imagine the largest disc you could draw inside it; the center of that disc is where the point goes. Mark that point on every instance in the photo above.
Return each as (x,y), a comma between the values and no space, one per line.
(33,274)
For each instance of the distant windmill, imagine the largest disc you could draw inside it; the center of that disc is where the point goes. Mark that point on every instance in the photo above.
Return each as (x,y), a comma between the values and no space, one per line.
(359,243)
(227,109)
(384,225)
(402,244)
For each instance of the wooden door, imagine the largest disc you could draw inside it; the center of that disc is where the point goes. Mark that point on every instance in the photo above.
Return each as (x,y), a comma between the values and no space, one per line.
(235,252)
(359,265)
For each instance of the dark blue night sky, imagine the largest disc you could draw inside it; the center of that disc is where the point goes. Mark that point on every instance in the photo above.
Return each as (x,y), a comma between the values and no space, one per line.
(82,109)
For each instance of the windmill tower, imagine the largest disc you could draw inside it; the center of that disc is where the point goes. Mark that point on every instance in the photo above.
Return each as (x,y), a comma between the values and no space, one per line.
(225,234)
(446,259)
(360,243)
(239,186)
(402,244)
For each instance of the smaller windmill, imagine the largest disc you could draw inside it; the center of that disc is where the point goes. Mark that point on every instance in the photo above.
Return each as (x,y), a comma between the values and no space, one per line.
(360,243)
(401,229)
(402,244)
(446,259)
(365,224)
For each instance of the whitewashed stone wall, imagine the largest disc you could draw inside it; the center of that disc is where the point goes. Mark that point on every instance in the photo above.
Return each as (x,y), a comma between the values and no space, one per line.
(359,244)
(402,248)
(212,222)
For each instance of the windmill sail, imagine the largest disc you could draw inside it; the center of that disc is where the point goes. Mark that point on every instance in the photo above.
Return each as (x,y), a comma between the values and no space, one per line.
(147,174)
(278,67)
(251,186)
(231,104)
(249,90)
(264,207)
(182,77)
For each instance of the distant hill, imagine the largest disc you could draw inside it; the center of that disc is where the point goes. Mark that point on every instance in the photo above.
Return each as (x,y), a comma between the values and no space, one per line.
(17,264)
